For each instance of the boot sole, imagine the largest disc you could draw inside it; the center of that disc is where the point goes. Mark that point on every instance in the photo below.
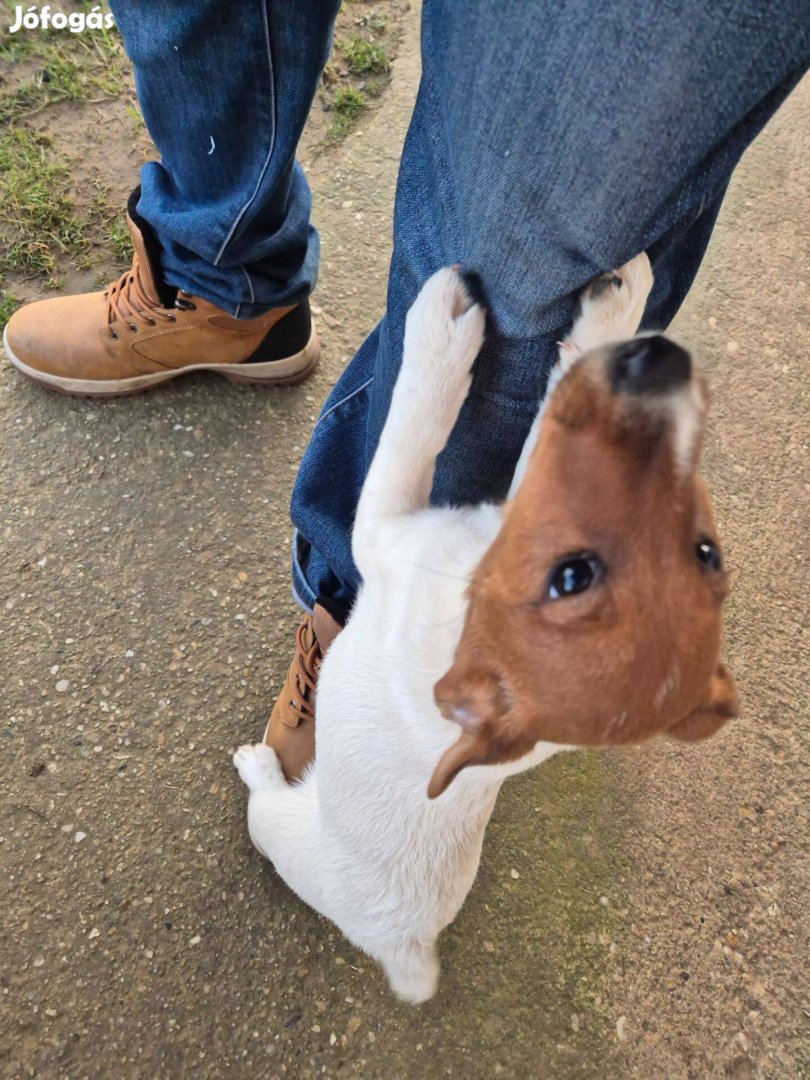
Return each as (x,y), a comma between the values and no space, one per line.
(285,372)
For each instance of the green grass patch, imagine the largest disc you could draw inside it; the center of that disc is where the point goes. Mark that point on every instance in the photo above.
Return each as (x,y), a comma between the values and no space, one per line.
(119,240)
(39,222)
(330,75)
(86,68)
(364,57)
(348,104)
(138,124)
(8,305)
(37,215)
(110,222)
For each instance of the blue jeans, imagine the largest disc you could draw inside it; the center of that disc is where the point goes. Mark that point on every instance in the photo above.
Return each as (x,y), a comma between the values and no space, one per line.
(549,142)
(225,87)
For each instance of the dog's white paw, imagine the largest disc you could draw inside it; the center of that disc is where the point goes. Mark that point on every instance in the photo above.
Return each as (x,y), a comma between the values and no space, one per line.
(444,293)
(610,308)
(413,971)
(444,332)
(258,766)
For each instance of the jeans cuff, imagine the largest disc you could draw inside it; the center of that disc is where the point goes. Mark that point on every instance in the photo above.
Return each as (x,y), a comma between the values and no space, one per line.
(302,591)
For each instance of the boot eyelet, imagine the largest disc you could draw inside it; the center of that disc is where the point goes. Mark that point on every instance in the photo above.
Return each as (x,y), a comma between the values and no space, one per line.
(113,335)
(173,318)
(133,328)
(152,322)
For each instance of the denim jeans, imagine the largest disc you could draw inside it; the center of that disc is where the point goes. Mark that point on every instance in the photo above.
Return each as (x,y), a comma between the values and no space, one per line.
(550,141)
(225,89)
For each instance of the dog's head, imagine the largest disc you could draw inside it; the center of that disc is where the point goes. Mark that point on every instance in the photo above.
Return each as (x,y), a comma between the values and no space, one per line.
(595,617)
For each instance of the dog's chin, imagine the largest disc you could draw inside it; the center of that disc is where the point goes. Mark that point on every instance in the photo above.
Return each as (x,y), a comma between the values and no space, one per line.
(697,726)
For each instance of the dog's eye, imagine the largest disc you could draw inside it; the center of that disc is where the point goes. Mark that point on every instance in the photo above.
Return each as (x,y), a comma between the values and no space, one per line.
(708,554)
(574,575)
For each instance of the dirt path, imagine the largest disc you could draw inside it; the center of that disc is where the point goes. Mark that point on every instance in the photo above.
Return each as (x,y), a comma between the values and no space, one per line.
(635,915)
(715,979)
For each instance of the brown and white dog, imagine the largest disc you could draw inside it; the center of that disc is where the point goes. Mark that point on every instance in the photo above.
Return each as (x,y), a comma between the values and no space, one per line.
(586,611)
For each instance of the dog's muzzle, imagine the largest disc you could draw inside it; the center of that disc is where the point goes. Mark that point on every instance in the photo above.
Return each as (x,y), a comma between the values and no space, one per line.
(650,366)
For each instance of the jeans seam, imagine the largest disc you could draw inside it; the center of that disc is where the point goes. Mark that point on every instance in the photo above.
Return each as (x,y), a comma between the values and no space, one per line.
(267,160)
(343,401)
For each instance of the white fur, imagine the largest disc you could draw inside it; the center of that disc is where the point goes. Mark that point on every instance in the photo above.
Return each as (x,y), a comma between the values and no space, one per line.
(688,406)
(358,838)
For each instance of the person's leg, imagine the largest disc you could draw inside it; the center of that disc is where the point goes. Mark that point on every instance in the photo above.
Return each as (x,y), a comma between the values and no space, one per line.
(225,256)
(225,90)
(549,143)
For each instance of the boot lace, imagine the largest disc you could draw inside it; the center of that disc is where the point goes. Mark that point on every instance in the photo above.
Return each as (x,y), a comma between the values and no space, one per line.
(304,674)
(128,303)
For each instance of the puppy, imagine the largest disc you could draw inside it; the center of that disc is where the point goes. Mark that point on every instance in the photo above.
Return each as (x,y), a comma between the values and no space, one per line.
(586,611)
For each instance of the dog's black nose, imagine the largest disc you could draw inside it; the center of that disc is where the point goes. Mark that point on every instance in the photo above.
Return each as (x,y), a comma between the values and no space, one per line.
(649,365)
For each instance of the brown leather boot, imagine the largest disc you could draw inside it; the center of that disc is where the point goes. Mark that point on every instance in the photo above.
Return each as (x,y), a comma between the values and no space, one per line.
(139,333)
(291,727)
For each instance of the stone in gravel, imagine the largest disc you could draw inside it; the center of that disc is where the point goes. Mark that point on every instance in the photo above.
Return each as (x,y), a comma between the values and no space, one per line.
(62,685)
(79,836)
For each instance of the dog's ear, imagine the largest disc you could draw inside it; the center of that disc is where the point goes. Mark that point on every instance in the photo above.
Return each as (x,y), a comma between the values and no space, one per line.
(468,749)
(719,706)
(482,746)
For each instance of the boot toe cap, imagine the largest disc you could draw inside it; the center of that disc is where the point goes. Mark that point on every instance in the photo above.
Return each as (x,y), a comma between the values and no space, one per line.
(59,336)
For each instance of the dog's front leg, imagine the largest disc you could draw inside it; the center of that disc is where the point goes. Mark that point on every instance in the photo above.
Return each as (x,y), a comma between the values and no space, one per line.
(443,334)
(610,309)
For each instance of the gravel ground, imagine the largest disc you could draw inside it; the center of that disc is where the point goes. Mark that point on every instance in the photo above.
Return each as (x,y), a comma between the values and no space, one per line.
(637,914)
